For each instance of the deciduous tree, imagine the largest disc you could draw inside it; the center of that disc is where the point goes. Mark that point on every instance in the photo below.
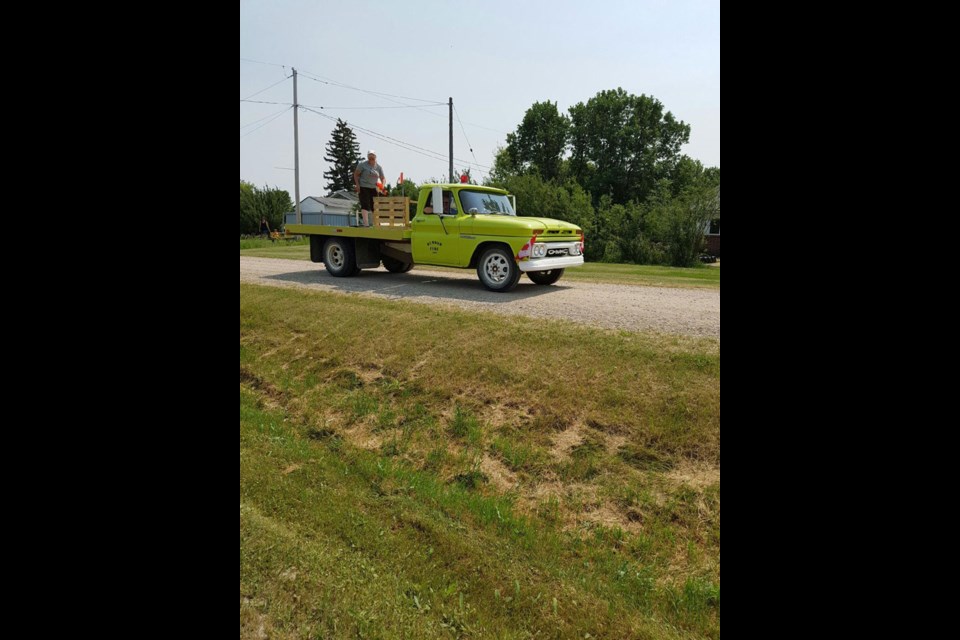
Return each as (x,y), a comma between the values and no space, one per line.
(540,140)
(623,144)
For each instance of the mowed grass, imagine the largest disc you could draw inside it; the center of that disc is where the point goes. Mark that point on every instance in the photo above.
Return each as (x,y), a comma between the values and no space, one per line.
(414,472)
(636,274)
(293,249)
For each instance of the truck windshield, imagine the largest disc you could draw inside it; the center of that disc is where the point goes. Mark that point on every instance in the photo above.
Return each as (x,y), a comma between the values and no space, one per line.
(485,202)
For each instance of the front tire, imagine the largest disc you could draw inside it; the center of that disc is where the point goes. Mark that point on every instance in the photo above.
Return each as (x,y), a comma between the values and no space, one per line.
(545,277)
(395,266)
(497,270)
(339,258)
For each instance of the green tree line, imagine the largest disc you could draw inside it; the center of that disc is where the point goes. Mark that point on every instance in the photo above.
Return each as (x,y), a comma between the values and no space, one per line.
(613,166)
(257,203)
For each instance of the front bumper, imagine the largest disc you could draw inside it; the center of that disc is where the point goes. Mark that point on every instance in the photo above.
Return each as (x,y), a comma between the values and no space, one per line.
(545,264)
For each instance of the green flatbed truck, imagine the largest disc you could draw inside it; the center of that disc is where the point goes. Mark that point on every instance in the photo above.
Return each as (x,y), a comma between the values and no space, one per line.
(472,227)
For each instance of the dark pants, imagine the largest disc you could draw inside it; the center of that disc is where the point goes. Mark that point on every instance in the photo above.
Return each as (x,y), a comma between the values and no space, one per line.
(366,198)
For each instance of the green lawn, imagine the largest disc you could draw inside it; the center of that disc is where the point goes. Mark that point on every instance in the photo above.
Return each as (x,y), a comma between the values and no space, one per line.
(400,482)
(648,275)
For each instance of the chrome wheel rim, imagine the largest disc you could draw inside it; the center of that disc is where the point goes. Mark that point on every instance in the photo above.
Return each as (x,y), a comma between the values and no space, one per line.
(496,268)
(335,256)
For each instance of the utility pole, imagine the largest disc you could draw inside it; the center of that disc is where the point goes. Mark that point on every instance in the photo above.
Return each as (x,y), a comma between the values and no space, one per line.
(451,140)
(296,147)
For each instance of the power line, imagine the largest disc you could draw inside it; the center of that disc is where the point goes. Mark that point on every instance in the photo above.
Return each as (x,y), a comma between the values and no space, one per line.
(266,123)
(469,146)
(272,64)
(378,94)
(409,146)
(441,155)
(410,106)
(270,87)
(433,155)
(385,96)
(385,136)
(406,106)
(263,118)
(480,126)
(330,81)
(469,124)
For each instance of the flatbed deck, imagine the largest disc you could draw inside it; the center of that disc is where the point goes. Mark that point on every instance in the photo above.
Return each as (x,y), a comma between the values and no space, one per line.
(394,234)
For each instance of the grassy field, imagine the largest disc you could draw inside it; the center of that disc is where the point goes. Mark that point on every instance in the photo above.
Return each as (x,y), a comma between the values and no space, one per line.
(649,275)
(408,472)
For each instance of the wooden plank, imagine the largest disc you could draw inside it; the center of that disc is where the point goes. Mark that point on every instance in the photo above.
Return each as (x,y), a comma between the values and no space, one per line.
(391,211)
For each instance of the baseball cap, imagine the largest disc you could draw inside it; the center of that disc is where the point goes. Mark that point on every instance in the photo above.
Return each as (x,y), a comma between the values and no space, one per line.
(371,152)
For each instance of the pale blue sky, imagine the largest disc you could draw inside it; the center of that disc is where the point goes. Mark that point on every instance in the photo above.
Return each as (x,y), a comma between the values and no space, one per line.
(495,59)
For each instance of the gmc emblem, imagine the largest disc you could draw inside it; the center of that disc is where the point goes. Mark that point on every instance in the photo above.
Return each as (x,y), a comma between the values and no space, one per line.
(557,252)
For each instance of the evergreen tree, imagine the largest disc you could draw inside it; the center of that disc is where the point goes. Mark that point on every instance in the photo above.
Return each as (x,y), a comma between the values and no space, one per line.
(342,153)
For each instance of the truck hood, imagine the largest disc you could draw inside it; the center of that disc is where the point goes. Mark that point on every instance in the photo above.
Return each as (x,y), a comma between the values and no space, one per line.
(494,225)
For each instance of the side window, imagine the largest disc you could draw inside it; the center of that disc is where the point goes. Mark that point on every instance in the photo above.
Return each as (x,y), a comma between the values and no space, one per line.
(449,203)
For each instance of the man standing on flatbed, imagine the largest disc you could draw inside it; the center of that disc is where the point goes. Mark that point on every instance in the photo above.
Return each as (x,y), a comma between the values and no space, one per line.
(365,178)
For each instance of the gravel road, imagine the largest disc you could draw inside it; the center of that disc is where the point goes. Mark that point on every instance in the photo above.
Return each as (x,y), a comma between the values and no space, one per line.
(694,312)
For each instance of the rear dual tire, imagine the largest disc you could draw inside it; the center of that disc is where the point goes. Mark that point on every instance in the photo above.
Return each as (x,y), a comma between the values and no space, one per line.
(339,258)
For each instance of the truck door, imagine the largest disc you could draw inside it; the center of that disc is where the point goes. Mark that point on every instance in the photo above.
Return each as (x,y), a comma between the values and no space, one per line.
(436,237)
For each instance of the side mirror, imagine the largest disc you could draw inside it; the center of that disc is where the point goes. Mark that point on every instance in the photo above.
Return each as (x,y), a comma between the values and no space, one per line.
(473,211)
(438,200)
(513,202)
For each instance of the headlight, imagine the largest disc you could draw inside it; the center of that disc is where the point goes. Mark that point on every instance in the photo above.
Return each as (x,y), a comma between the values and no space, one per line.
(575,249)
(539,250)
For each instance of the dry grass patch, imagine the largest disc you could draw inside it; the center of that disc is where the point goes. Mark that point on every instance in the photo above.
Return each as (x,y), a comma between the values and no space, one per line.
(455,453)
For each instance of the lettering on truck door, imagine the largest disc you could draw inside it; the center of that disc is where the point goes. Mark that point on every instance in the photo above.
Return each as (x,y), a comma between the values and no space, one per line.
(437,241)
